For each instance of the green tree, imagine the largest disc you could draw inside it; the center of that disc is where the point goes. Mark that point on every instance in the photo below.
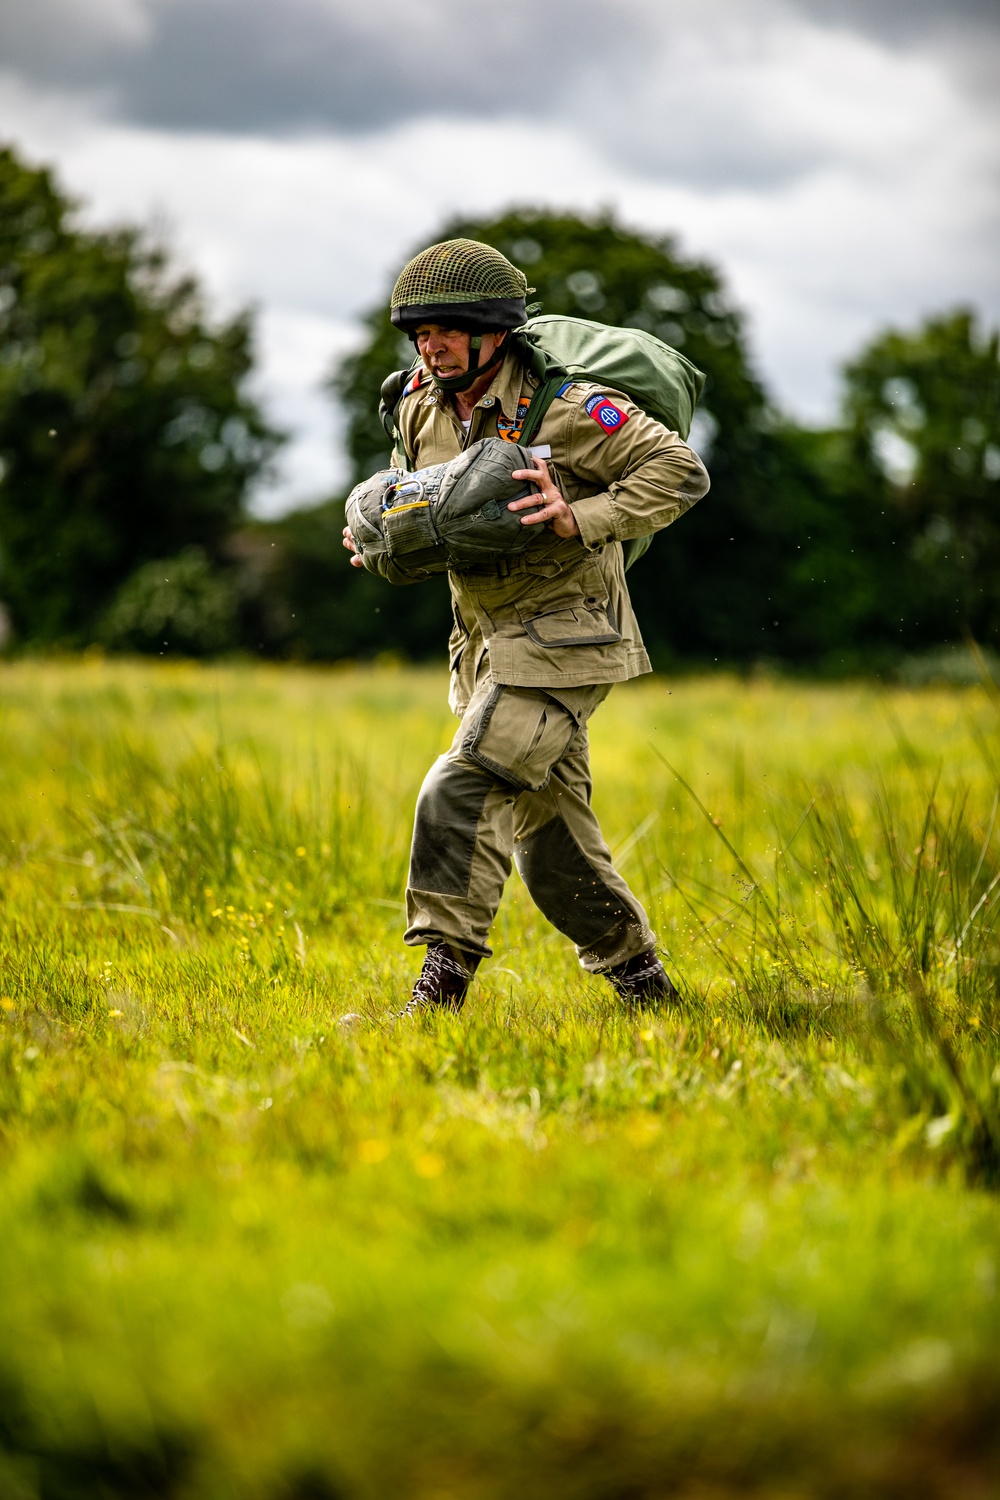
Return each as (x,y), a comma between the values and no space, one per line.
(301,597)
(923,414)
(847,586)
(181,605)
(708,586)
(126,434)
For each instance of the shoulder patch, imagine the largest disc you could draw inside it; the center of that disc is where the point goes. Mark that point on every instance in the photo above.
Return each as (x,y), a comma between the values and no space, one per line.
(605,413)
(413,384)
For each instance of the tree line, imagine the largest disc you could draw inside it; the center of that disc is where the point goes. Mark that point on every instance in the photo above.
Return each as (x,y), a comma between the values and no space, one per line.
(129,446)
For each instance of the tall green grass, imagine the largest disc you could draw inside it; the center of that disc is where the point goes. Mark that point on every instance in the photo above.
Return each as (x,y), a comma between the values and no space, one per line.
(544,1248)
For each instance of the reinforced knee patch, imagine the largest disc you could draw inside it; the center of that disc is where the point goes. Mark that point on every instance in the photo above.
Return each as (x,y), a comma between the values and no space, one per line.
(444,829)
(565,886)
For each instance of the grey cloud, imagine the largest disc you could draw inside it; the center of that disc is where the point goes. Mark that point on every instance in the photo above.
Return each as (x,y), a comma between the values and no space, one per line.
(964,35)
(249,65)
(616,69)
(69,41)
(690,125)
(907,21)
(287,65)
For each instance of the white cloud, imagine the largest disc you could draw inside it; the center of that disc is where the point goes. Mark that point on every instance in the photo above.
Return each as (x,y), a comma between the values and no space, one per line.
(296,350)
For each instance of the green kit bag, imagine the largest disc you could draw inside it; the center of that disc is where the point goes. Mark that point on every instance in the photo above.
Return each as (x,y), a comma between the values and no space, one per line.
(656,377)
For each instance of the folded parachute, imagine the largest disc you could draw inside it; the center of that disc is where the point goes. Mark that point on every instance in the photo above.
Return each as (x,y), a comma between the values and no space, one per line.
(408,526)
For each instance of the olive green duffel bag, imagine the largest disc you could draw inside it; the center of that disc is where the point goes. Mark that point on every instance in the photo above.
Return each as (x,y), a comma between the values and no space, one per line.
(408,526)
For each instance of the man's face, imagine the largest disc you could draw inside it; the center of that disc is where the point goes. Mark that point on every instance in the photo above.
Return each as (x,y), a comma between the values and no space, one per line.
(445,351)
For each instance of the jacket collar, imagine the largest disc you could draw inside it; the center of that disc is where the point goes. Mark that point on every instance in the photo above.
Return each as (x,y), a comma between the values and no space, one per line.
(508,387)
(505,389)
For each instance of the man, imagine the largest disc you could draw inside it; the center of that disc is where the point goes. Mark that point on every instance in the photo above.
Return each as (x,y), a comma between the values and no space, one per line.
(538,638)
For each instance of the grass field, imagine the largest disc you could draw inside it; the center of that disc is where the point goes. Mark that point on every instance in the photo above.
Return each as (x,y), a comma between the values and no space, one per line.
(542,1249)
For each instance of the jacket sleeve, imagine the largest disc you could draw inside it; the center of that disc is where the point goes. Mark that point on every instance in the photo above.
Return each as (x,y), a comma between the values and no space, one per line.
(648,477)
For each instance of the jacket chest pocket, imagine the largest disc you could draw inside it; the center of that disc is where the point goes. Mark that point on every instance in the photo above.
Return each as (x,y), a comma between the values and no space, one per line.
(590,622)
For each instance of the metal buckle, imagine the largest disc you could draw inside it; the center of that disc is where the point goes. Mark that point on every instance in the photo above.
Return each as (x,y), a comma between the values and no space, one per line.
(406,492)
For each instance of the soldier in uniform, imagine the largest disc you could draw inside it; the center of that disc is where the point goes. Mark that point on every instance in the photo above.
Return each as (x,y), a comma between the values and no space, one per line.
(538,638)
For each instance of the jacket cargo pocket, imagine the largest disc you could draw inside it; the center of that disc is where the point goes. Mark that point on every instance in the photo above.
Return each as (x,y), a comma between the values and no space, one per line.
(583,624)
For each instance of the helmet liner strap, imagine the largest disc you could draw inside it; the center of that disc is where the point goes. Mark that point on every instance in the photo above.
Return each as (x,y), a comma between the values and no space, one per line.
(468,377)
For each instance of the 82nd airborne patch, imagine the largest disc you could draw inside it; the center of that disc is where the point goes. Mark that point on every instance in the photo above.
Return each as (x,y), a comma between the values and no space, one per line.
(605,413)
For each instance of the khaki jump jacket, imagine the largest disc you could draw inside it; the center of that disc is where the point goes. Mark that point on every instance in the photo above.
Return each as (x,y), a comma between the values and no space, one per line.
(559,615)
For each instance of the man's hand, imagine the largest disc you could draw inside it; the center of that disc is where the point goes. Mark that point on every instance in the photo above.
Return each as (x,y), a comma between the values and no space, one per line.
(349,544)
(554,507)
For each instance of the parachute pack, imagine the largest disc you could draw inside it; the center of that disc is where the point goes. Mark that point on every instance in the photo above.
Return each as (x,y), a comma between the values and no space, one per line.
(409,526)
(557,349)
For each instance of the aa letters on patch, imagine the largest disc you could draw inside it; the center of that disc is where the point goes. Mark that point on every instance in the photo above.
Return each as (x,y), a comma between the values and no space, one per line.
(605,413)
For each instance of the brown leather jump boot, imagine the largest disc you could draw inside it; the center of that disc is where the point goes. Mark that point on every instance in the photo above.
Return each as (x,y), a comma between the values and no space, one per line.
(444,979)
(643,981)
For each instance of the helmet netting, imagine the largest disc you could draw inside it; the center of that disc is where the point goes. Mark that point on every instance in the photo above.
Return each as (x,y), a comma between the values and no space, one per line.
(457,271)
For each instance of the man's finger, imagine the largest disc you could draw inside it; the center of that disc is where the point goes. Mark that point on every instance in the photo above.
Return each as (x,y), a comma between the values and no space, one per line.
(527,500)
(545,514)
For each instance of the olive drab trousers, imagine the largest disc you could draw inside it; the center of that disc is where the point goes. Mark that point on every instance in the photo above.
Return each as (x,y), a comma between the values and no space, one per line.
(516,783)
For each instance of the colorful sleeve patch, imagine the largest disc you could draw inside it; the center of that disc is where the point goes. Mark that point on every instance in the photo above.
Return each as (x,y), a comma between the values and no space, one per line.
(414,384)
(605,413)
(510,428)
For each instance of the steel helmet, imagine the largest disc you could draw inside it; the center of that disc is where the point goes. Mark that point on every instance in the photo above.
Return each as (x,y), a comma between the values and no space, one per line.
(459,284)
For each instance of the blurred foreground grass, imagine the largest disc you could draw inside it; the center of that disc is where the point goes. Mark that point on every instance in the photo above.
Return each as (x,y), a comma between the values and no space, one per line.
(543,1249)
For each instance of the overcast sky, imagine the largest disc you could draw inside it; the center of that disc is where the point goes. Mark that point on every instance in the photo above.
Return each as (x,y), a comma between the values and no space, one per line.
(838,159)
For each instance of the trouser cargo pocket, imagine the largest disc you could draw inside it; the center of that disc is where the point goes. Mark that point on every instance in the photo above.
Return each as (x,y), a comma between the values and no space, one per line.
(519,734)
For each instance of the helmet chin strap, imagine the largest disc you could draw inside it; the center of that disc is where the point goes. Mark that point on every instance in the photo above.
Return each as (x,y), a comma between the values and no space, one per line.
(468,377)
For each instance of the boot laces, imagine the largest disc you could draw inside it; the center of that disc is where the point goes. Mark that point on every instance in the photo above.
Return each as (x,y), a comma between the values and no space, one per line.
(443,982)
(642,978)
